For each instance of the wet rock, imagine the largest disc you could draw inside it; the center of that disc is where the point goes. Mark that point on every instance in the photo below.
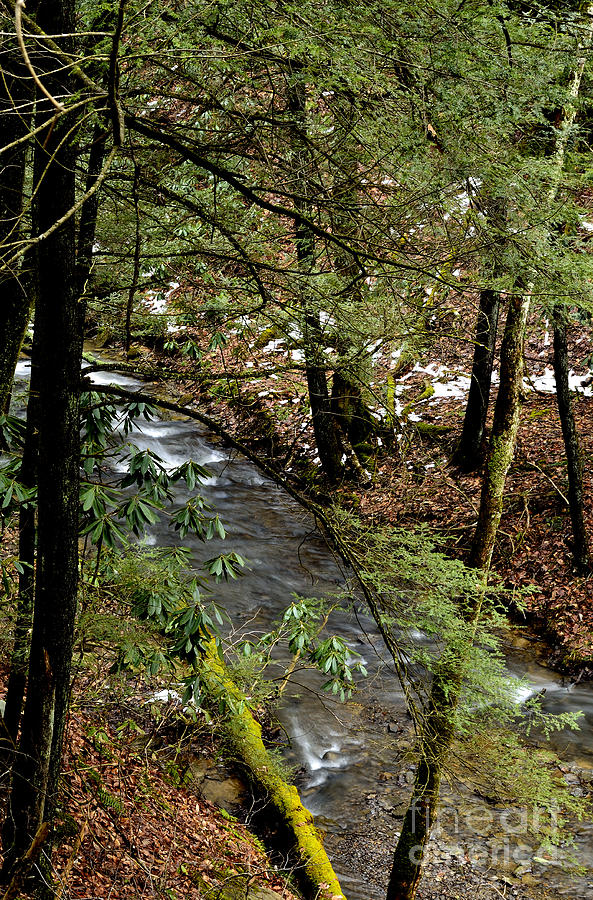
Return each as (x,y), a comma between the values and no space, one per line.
(215,785)
(330,756)
(225,794)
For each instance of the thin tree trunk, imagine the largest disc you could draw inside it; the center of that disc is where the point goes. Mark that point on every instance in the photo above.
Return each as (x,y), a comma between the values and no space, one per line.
(88,214)
(136,269)
(581,550)
(348,406)
(57,323)
(468,455)
(504,432)
(16,112)
(27,537)
(438,731)
(324,425)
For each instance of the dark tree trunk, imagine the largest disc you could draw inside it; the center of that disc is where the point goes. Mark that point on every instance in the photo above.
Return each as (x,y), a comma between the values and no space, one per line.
(348,406)
(88,214)
(468,455)
(324,423)
(16,114)
(57,324)
(27,538)
(574,463)
(504,432)
(437,735)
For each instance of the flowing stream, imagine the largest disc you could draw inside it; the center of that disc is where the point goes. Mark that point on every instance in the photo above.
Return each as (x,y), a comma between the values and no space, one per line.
(353,771)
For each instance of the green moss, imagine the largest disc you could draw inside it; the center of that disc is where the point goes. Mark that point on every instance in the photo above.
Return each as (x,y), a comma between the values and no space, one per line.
(244,736)
(430,430)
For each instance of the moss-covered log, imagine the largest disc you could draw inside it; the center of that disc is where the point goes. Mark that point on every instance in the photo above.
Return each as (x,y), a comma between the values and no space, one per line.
(314,869)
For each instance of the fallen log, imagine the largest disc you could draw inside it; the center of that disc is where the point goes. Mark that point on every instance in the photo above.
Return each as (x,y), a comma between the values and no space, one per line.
(314,870)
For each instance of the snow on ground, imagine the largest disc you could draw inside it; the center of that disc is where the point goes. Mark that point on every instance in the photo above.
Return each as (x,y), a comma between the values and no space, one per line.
(547,383)
(447,383)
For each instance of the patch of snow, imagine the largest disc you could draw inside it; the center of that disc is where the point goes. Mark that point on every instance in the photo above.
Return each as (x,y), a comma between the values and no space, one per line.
(547,382)
(156,302)
(274,346)
(297,355)
(165,696)
(445,382)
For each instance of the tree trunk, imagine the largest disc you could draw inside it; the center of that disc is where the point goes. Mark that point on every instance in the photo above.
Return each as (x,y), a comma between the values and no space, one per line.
(504,432)
(581,551)
(437,735)
(27,538)
(351,372)
(468,455)
(16,105)
(88,214)
(59,349)
(324,424)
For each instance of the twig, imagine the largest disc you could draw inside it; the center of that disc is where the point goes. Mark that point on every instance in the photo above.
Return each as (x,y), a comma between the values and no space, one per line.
(18,24)
(74,209)
(553,483)
(72,858)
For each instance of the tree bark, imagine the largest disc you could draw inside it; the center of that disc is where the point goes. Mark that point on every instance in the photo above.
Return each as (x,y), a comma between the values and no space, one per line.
(16,113)
(59,350)
(438,731)
(324,423)
(468,455)
(504,432)
(348,406)
(580,549)
(17,680)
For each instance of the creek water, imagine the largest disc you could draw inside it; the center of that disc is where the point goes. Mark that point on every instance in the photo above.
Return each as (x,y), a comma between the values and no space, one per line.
(353,772)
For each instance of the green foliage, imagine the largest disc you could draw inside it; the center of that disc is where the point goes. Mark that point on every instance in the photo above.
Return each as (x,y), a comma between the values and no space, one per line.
(302,629)
(444,619)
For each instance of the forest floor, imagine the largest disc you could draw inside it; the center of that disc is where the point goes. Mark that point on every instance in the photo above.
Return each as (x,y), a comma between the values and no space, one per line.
(145,800)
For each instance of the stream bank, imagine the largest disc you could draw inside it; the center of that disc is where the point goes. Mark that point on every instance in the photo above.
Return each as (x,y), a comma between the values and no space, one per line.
(354,776)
